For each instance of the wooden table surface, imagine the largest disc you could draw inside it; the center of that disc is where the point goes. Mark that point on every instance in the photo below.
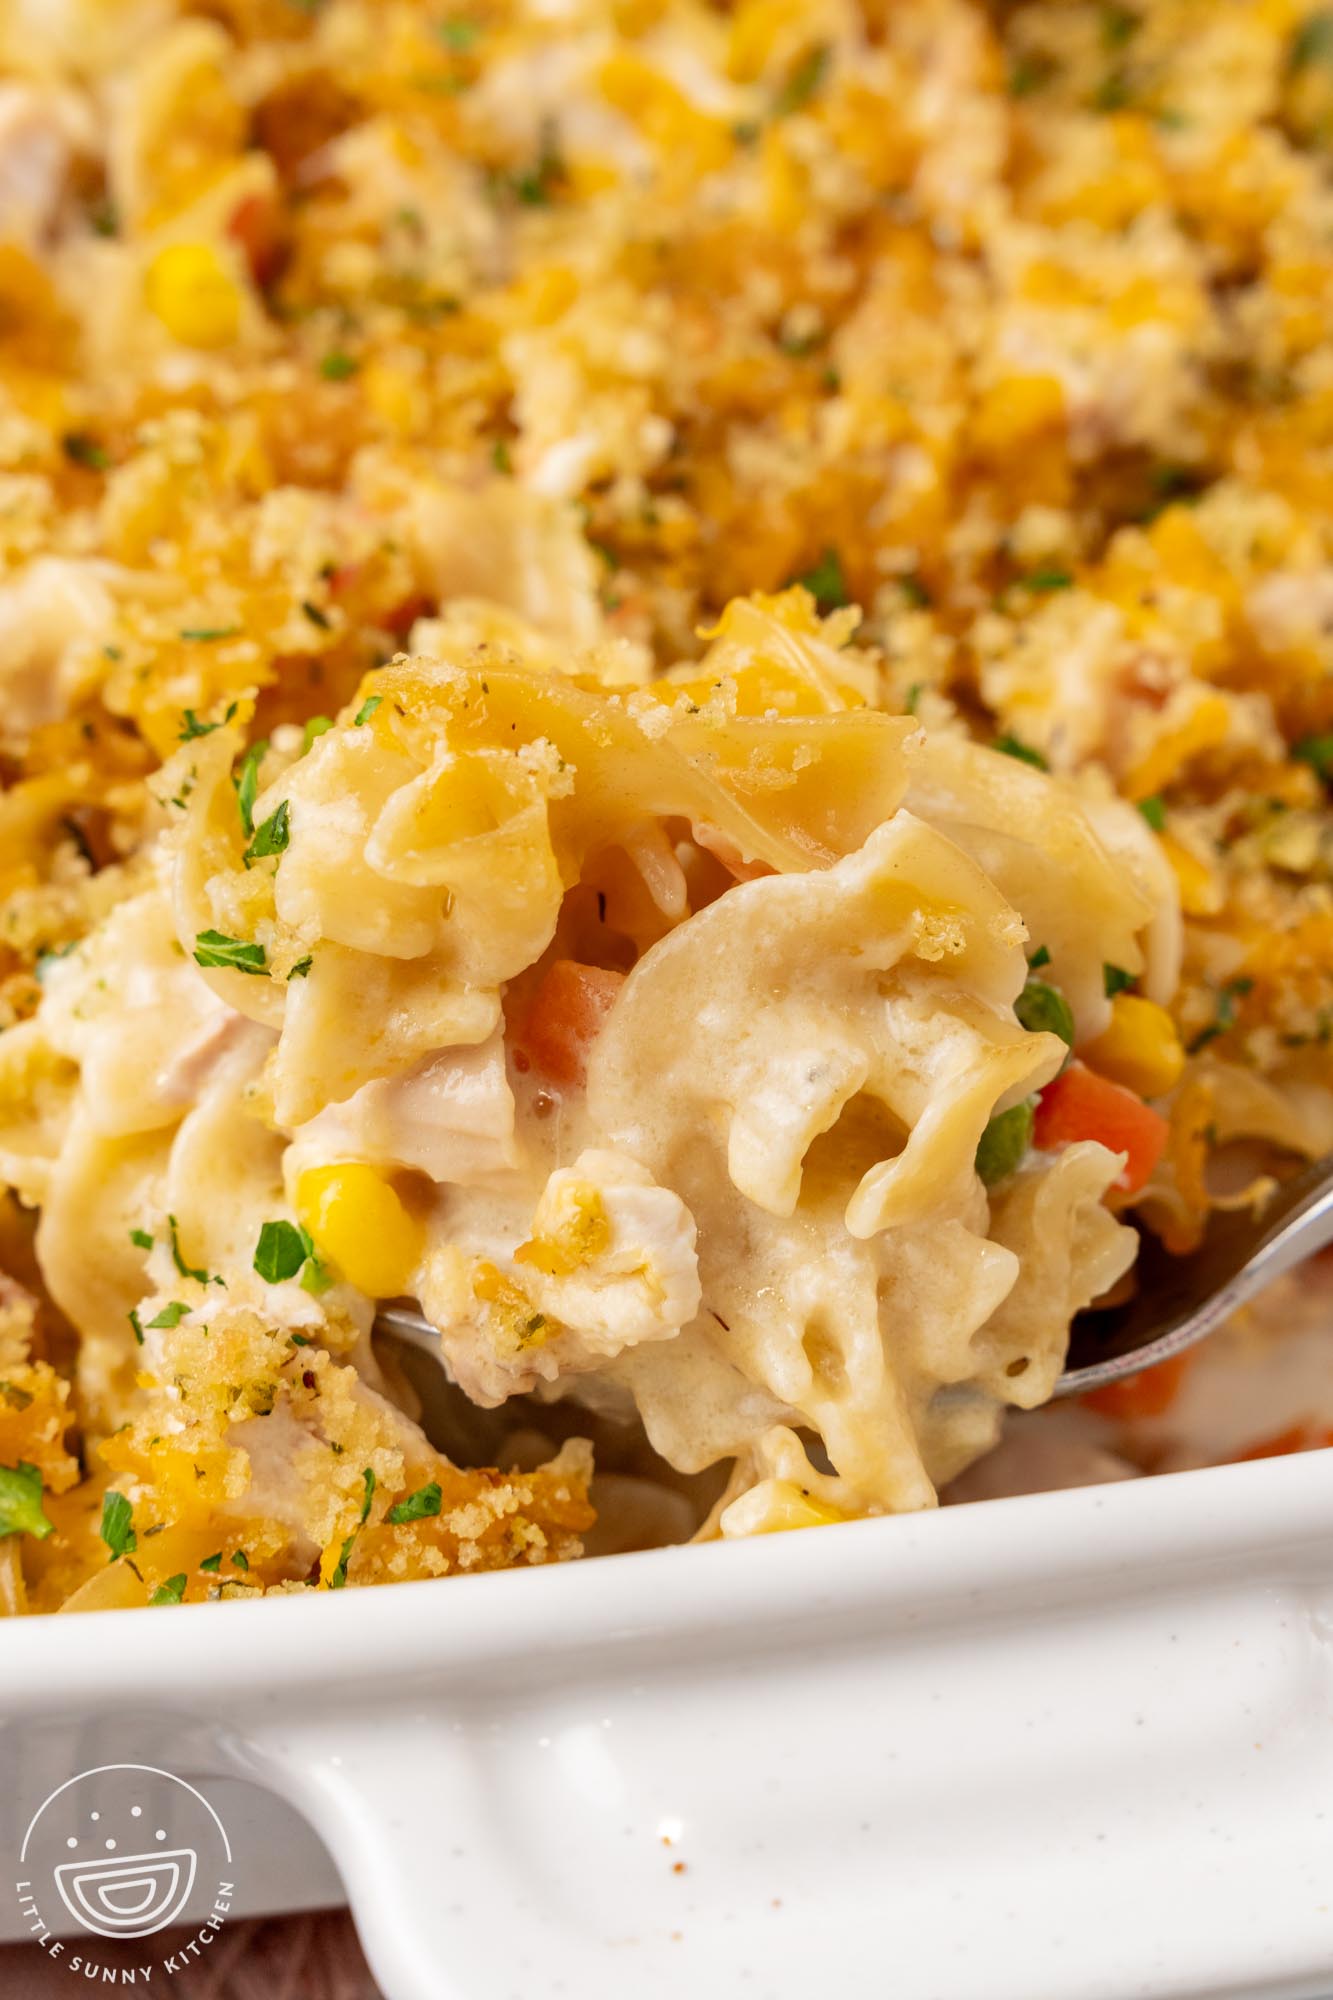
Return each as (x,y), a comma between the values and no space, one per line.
(312,1957)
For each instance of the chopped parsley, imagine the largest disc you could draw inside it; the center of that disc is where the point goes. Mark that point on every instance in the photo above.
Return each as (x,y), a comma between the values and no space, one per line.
(1313,41)
(1041,956)
(186,1270)
(1043,1010)
(137,1324)
(281,1251)
(21,1501)
(212,1563)
(1012,747)
(208,635)
(301,968)
(826,583)
(316,615)
(315,727)
(247,783)
(418,1506)
(170,1315)
(118,1525)
(1119,25)
(170,1592)
(1225,1017)
(214,948)
(1049,579)
(1317,752)
(194,727)
(339,1577)
(500,457)
(338,366)
(271,838)
(81,448)
(240,1559)
(1154,811)
(802,82)
(1116,980)
(1004,1142)
(1031,73)
(366,710)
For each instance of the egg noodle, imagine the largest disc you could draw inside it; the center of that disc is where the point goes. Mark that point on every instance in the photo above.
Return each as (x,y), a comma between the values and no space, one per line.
(664,684)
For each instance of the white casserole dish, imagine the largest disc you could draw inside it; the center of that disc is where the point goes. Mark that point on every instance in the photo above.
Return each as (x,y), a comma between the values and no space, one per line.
(1067,1747)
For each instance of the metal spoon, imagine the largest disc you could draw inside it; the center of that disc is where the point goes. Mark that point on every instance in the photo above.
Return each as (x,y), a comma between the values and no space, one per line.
(1178,1301)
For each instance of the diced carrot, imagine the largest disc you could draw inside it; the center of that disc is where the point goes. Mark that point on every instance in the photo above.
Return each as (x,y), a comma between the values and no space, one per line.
(1149,1394)
(565,1018)
(1082,1105)
(1299,1438)
(256,227)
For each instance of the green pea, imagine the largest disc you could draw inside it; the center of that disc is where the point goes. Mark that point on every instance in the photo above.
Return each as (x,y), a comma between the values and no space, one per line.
(1043,1009)
(1004,1142)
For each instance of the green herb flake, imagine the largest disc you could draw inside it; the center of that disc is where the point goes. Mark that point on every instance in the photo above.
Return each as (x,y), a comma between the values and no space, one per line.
(317,615)
(1030,73)
(1317,752)
(301,968)
(1043,1010)
(826,583)
(118,1525)
(1116,980)
(1154,811)
(422,1505)
(1010,746)
(500,457)
(457,34)
(240,1559)
(281,1251)
(338,366)
(1045,580)
(1119,26)
(1313,41)
(1004,1142)
(1225,1016)
(272,837)
(21,1502)
(316,726)
(316,1278)
(212,1564)
(803,81)
(170,1315)
(208,635)
(186,1270)
(1041,956)
(194,727)
(137,1324)
(215,949)
(170,1592)
(366,710)
(247,783)
(81,448)
(339,1577)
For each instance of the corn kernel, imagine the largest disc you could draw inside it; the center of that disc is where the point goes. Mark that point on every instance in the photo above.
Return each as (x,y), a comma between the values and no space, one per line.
(1140,1049)
(360,1226)
(194,295)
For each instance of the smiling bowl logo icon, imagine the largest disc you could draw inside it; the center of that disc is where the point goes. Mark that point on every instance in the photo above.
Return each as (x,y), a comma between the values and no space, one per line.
(133,1838)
